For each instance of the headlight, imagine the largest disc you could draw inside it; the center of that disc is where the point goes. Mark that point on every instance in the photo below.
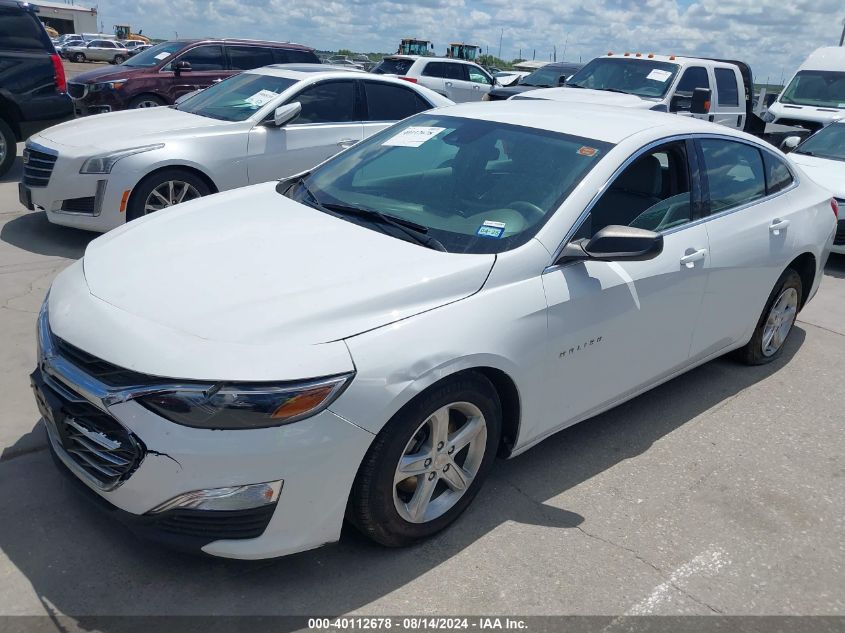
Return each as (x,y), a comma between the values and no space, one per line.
(768,117)
(244,406)
(103,164)
(107,85)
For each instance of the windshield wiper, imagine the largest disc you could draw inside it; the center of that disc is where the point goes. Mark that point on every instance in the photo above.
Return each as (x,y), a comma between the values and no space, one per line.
(613,90)
(417,232)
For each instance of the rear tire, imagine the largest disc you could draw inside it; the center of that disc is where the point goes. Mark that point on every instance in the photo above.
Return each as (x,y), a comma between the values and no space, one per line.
(118,59)
(776,321)
(8,147)
(426,439)
(78,58)
(186,186)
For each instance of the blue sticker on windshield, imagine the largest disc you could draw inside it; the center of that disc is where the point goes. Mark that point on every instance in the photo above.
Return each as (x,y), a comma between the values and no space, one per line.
(491,229)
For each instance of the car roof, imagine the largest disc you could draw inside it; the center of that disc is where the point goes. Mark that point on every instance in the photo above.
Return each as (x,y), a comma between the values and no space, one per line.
(674,59)
(431,59)
(227,40)
(304,71)
(825,58)
(604,123)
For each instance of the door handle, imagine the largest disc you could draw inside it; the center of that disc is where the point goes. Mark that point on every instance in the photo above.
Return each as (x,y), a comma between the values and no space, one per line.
(777,226)
(216,81)
(697,256)
(449,83)
(347,142)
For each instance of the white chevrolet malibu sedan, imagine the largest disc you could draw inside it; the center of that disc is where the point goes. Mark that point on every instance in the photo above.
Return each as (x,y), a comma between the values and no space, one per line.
(363,340)
(97,173)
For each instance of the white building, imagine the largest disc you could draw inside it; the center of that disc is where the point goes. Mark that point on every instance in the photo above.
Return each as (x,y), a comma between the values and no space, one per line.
(66,17)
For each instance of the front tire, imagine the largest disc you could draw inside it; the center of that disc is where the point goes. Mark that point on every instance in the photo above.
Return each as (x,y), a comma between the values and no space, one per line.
(164,189)
(8,147)
(776,321)
(427,464)
(118,59)
(146,101)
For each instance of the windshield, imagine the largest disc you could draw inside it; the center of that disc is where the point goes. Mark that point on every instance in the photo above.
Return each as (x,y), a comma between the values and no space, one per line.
(155,55)
(393,66)
(823,88)
(640,77)
(236,98)
(475,186)
(542,78)
(829,142)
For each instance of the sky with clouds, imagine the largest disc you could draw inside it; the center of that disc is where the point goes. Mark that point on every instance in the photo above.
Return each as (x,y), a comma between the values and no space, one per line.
(774,36)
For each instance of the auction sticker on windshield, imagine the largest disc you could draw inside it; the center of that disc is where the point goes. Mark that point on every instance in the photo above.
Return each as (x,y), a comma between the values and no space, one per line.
(162,56)
(491,228)
(413,136)
(261,97)
(658,75)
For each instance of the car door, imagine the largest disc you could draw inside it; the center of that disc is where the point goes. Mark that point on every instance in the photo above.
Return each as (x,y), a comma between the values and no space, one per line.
(387,103)
(457,83)
(97,51)
(617,327)
(729,98)
(693,77)
(481,82)
(208,63)
(748,217)
(433,76)
(330,121)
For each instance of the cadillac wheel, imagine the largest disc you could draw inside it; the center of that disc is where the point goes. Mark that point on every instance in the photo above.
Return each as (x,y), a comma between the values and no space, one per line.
(429,462)
(164,189)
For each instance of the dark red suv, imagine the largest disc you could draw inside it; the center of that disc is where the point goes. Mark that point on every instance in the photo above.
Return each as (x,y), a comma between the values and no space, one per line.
(163,73)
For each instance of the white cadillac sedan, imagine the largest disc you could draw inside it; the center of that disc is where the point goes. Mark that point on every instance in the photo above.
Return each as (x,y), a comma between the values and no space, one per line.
(97,173)
(364,340)
(822,157)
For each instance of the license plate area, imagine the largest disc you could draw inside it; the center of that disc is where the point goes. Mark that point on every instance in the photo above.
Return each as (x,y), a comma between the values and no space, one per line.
(25,196)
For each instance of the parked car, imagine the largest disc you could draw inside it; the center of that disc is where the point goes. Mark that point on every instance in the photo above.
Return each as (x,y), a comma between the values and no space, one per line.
(455,79)
(822,157)
(549,76)
(363,340)
(32,79)
(815,96)
(97,51)
(508,77)
(139,49)
(165,72)
(343,60)
(720,89)
(261,125)
(69,39)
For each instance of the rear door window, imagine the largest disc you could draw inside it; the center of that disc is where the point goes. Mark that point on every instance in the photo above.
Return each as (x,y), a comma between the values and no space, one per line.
(734,173)
(435,69)
(20,30)
(726,86)
(386,102)
(249,57)
(327,102)
(206,57)
(778,176)
(293,56)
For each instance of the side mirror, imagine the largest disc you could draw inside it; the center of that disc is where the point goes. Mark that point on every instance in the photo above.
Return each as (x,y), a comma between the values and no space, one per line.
(286,113)
(700,101)
(790,143)
(181,67)
(615,243)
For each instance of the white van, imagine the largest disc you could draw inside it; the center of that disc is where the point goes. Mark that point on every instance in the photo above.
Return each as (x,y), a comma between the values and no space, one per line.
(708,89)
(816,94)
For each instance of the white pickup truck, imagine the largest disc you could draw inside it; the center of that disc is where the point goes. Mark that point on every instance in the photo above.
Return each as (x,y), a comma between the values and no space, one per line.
(708,89)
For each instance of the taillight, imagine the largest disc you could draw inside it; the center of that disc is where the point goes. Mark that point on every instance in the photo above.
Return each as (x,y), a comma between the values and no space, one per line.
(413,80)
(59,70)
(834,204)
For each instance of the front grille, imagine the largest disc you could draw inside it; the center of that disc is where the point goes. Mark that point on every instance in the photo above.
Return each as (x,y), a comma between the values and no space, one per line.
(94,440)
(37,167)
(839,238)
(104,371)
(79,205)
(76,91)
(216,524)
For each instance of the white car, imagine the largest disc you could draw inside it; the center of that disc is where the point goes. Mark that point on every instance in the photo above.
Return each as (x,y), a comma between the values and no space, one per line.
(822,157)
(363,340)
(455,79)
(97,173)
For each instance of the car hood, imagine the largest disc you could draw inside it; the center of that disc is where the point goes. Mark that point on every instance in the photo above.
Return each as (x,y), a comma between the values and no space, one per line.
(585,95)
(828,173)
(252,267)
(106,73)
(127,128)
(507,91)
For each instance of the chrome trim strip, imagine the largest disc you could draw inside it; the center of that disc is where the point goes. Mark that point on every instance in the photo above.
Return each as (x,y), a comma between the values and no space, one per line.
(669,139)
(30,144)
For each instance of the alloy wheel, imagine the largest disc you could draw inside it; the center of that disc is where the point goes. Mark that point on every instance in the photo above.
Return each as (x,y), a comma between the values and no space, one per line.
(780,321)
(169,193)
(440,462)
(147,103)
